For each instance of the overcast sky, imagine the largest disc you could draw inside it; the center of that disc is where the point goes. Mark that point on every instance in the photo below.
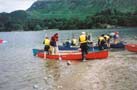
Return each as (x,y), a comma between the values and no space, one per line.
(12,5)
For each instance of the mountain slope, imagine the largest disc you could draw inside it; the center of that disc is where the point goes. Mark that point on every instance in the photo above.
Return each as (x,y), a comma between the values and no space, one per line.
(78,8)
(14,20)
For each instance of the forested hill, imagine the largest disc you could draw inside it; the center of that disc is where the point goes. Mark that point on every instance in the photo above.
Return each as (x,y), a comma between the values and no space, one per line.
(79,8)
(72,14)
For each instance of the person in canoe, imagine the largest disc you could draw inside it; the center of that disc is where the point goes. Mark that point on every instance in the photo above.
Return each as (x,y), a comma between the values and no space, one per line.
(101,42)
(46,42)
(89,40)
(74,41)
(88,37)
(115,36)
(67,43)
(107,40)
(53,43)
(83,45)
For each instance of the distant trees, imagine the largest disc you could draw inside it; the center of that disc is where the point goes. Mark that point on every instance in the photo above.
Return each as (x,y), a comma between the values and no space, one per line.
(22,21)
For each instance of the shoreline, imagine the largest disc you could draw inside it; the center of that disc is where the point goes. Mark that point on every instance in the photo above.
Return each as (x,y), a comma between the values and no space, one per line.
(113,73)
(73,29)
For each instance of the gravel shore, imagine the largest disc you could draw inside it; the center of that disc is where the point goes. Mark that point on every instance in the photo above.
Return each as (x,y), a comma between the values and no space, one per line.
(117,72)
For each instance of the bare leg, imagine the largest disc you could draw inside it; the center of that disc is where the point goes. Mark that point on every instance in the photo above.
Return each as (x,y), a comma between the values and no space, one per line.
(45,54)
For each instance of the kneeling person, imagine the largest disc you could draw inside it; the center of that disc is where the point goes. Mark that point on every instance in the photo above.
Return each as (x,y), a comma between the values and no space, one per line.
(101,42)
(107,39)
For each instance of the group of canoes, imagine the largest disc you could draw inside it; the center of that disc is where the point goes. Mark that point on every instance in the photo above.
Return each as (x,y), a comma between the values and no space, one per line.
(66,52)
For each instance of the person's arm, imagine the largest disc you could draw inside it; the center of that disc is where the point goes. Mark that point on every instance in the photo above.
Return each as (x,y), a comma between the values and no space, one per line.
(87,38)
(79,39)
(43,41)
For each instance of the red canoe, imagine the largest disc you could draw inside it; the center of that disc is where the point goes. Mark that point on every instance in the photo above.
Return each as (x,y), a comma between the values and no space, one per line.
(131,47)
(76,56)
(1,41)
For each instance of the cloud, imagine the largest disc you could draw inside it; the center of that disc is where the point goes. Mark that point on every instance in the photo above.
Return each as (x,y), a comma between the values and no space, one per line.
(12,5)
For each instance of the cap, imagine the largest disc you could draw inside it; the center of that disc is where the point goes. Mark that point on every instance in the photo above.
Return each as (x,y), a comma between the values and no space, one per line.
(83,33)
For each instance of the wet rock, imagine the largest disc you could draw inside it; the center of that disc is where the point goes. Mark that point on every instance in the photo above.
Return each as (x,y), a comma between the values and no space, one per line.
(49,76)
(45,78)
(35,86)
(68,62)
(59,86)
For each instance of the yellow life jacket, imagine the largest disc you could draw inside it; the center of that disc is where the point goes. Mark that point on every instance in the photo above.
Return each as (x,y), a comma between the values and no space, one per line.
(82,38)
(101,38)
(107,37)
(74,41)
(47,42)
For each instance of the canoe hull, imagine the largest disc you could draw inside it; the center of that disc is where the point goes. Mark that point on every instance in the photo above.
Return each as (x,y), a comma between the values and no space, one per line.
(67,48)
(119,45)
(131,47)
(75,56)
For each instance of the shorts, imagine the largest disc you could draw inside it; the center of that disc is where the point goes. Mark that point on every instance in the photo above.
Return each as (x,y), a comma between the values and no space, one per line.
(46,48)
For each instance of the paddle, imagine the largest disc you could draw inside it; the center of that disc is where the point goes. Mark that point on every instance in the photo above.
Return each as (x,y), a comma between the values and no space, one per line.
(93,47)
(45,51)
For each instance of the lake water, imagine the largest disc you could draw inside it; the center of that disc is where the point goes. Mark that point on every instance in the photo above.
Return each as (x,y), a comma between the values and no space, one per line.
(20,70)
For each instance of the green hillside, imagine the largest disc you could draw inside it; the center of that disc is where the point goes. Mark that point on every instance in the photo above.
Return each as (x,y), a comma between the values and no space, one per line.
(78,8)
(14,20)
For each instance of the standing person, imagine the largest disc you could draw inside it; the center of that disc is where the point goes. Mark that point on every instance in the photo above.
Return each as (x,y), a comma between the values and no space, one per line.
(83,45)
(56,37)
(53,43)
(46,42)
(101,42)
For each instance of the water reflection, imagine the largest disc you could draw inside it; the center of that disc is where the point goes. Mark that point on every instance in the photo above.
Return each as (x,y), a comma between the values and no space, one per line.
(53,68)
